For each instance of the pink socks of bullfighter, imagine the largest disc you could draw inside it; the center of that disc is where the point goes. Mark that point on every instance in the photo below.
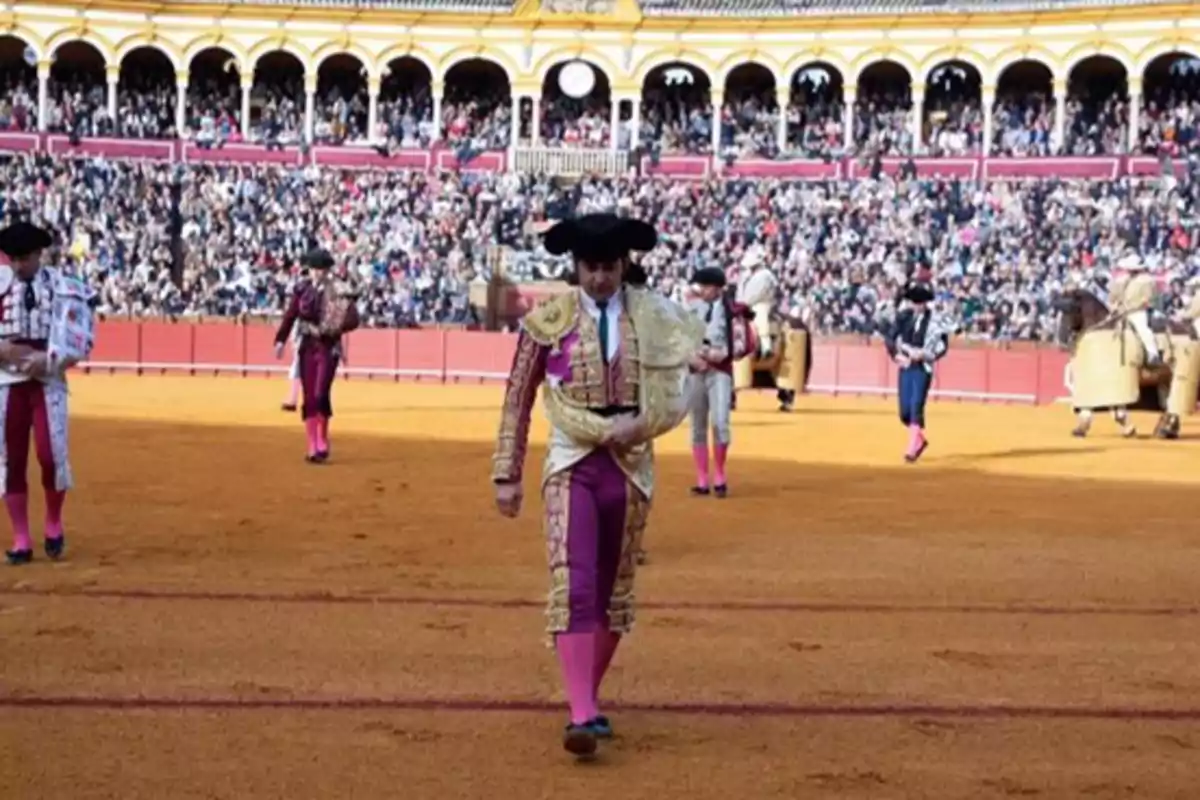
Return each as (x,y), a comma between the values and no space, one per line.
(720,453)
(577,658)
(916,442)
(700,456)
(312,427)
(584,659)
(606,648)
(18,512)
(54,509)
(322,434)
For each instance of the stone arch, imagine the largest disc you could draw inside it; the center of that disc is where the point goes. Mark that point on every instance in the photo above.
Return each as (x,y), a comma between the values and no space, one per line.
(100,43)
(415,52)
(285,45)
(880,56)
(211,42)
(474,53)
(745,59)
(595,59)
(137,42)
(809,58)
(1113,50)
(1149,54)
(948,55)
(836,81)
(1019,54)
(28,38)
(343,48)
(660,58)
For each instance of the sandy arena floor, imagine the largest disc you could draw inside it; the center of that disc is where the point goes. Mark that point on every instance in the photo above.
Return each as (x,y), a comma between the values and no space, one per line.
(1017,616)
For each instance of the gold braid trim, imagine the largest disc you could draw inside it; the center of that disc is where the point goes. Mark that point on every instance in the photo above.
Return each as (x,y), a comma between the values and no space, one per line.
(668,336)
(552,319)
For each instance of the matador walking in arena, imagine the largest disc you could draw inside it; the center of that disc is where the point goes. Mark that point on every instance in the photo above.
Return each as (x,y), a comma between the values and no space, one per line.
(614,361)
(325,310)
(45,328)
(714,404)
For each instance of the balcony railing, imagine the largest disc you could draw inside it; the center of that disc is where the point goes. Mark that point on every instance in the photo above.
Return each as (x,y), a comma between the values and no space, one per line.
(570,163)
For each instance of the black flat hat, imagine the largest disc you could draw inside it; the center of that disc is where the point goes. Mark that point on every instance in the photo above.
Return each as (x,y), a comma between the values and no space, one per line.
(601,238)
(918,293)
(23,239)
(710,276)
(318,259)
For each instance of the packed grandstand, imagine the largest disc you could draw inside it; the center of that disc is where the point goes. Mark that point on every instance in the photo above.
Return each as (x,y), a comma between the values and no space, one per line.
(216,235)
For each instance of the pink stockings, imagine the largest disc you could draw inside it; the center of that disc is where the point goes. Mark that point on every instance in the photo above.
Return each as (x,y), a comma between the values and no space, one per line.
(700,457)
(317,429)
(916,440)
(18,513)
(584,659)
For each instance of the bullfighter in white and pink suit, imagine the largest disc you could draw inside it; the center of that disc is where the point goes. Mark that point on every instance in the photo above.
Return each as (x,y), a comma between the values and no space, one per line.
(45,328)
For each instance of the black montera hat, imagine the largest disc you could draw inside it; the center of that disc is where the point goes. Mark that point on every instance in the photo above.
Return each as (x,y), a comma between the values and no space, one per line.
(318,258)
(710,276)
(600,237)
(23,239)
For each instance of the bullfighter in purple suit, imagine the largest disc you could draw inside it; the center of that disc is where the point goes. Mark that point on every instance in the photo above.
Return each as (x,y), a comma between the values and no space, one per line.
(614,361)
(324,309)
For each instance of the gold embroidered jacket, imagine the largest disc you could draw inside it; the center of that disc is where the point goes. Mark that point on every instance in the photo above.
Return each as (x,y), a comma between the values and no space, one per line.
(560,351)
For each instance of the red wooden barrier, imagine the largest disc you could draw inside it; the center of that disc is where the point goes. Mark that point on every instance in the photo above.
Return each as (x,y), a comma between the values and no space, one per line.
(976,374)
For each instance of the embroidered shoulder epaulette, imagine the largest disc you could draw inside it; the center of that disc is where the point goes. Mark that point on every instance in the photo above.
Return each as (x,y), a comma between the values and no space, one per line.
(552,319)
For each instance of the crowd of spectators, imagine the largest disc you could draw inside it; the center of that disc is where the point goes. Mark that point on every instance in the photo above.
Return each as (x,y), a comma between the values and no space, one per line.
(206,240)
(674,115)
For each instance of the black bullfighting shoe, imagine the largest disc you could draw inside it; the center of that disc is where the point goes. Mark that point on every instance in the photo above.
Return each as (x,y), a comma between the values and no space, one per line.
(55,545)
(914,457)
(721,490)
(601,727)
(18,557)
(701,491)
(580,740)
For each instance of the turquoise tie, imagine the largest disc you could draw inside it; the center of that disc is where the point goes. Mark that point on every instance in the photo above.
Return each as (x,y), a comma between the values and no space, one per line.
(603,306)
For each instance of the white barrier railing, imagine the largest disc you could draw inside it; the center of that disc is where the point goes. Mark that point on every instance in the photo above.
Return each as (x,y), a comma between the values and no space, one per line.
(564,161)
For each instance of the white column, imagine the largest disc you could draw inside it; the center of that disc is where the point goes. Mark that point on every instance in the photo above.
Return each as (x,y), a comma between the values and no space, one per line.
(718,103)
(635,122)
(849,98)
(1135,113)
(783,98)
(113,73)
(918,117)
(43,76)
(310,106)
(244,117)
(614,124)
(535,133)
(373,84)
(1060,115)
(182,80)
(515,136)
(987,102)
(439,89)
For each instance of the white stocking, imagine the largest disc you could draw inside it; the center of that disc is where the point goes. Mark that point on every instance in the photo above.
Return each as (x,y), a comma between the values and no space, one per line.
(1140,320)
